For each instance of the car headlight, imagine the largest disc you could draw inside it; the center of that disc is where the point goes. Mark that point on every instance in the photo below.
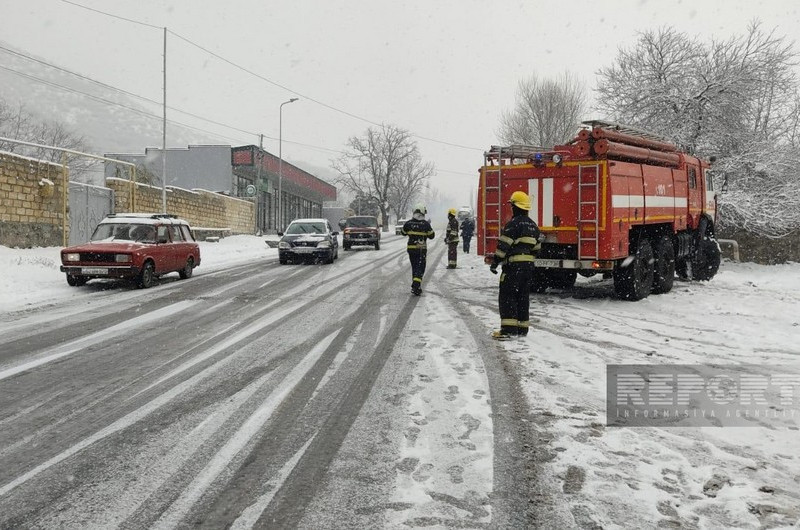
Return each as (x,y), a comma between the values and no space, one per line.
(72,256)
(284,244)
(324,244)
(122,258)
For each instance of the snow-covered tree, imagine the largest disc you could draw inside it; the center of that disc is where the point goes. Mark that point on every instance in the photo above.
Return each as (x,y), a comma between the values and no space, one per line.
(735,99)
(382,164)
(547,112)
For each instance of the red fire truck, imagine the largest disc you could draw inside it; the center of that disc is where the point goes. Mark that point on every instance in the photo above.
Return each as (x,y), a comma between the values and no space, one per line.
(615,200)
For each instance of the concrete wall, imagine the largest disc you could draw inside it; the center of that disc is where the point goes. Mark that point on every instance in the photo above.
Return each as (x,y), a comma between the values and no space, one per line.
(201,208)
(31,202)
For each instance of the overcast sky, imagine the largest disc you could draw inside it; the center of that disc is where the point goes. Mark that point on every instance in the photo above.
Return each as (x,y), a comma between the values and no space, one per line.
(443,69)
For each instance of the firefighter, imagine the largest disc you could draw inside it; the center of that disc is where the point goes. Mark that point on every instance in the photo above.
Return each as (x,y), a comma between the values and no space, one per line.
(452,239)
(515,251)
(418,230)
(467,230)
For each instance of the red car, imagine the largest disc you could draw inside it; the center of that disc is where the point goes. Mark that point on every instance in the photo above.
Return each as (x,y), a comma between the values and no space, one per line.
(137,247)
(361,230)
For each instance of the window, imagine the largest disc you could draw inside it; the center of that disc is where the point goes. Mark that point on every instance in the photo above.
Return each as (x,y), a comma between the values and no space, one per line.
(692,178)
(187,233)
(175,231)
(163,234)
(306,228)
(709,180)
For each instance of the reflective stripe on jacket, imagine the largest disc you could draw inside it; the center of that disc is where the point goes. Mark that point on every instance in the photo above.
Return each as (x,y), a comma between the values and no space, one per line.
(418,232)
(518,242)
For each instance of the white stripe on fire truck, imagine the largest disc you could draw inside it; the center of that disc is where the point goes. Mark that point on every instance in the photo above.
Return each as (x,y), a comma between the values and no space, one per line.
(547,202)
(652,201)
(533,193)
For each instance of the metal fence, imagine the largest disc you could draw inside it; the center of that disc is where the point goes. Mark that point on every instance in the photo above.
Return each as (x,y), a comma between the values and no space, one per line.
(88,205)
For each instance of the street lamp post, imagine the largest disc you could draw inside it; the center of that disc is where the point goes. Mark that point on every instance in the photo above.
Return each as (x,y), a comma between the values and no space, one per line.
(280,163)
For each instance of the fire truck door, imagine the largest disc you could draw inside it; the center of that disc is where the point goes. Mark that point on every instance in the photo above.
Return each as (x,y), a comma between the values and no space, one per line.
(709,195)
(695,193)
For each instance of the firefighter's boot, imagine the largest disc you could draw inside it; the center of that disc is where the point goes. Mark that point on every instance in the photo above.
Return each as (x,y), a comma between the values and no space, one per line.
(500,335)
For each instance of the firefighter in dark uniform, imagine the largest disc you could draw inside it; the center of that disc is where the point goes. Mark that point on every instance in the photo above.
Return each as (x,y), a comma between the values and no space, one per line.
(467,230)
(452,239)
(515,251)
(418,230)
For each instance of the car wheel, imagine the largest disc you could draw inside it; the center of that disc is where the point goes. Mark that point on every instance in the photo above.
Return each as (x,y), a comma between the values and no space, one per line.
(187,271)
(346,247)
(145,279)
(377,245)
(76,281)
(336,255)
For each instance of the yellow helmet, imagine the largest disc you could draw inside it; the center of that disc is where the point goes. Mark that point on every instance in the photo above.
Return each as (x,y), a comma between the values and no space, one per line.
(521,200)
(451,211)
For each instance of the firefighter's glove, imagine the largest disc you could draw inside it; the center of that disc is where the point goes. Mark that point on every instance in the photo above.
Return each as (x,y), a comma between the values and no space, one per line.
(493,268)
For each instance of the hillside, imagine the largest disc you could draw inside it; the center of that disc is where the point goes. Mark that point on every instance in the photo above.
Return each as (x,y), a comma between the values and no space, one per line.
(109,120)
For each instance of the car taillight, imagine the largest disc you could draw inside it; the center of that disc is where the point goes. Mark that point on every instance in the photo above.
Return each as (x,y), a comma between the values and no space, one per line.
(72,256)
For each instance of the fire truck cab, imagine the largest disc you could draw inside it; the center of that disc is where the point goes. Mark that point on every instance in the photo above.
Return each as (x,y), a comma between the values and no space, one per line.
(615,200)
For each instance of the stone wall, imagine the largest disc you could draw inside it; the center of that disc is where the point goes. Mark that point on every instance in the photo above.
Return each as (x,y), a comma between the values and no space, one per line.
(32,199)
(760,249)
(201,208)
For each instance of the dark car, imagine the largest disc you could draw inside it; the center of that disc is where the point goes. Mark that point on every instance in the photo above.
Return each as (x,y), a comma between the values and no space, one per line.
(308,239)
(138,247)
(361,230)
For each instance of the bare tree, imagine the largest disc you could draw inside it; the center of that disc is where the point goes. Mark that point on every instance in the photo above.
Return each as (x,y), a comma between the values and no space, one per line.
(19,124)
(547,111)
(411,180)
(735,99)
(376,164)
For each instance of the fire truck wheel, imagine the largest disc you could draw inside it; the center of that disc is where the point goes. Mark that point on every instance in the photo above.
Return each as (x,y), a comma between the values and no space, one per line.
(633,279)
(664,265)
(682,268)
(561,279)
(707,257)
(539,280)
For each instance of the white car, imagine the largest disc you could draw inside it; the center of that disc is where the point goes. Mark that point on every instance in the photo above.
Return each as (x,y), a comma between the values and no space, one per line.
(398,228)
(308,239)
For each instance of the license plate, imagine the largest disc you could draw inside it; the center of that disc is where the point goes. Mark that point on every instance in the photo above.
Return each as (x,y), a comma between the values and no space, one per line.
(304,250)
(552,263)
(94,270)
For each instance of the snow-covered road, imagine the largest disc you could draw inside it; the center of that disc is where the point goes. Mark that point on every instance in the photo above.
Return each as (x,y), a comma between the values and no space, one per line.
(259,395)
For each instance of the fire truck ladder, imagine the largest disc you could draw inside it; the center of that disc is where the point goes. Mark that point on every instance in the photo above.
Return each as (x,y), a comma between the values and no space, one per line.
(487,207)
(588,186)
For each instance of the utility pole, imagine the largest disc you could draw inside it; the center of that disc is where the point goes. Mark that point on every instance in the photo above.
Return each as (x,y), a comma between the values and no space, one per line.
(164,134)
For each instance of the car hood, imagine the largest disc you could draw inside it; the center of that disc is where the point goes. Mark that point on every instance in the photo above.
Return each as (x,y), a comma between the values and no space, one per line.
(304,238)
(108,246)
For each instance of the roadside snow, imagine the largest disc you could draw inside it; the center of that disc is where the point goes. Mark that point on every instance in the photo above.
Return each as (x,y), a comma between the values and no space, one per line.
(612,477)
(31,277)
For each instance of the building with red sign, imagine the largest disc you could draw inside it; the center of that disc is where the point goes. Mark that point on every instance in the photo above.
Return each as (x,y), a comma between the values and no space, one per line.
(245,172)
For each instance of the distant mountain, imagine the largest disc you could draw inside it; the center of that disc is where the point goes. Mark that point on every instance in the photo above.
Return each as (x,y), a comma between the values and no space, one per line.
(84,107)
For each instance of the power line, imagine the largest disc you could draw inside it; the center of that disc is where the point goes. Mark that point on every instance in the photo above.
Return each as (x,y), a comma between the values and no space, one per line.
(304,96)
(122,91)
(139,111)
(112,16)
